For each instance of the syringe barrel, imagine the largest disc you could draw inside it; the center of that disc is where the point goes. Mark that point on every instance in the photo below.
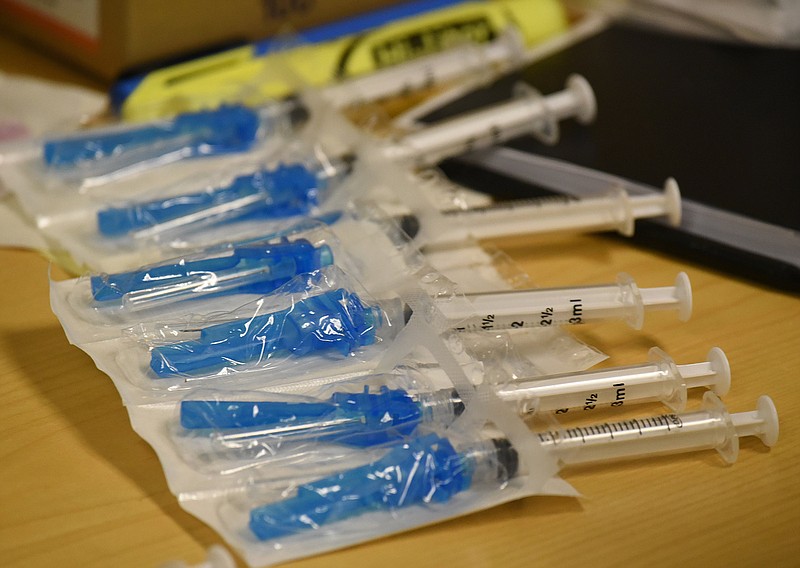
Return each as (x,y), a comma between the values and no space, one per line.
(550,215)
(547,307)
(709,428)
(429,71)
(529,112)
(658,380)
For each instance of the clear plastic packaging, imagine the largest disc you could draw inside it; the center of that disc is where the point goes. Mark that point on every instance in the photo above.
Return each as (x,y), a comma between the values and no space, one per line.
(285,190)
(239,199)
(227,432)
(418,480)
(296,189)
(227,480)
(319,314)
(155,215)
(254,268)
(318,324)
(424,470)
(99,155)
(363,243)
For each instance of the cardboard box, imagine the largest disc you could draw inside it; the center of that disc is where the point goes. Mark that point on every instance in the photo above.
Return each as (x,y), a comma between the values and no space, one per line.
(109,37)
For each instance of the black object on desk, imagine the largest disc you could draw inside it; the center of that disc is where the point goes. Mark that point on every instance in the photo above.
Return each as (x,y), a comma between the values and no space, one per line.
(722,118)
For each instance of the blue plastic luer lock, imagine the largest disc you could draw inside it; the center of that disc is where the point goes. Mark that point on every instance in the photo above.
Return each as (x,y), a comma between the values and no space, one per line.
(335,321)
(228,129)
(361,419)
(422,470)
(288,190)
(273,264)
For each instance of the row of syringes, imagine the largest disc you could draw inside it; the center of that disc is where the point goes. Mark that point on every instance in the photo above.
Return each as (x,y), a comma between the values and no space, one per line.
(294,189)
(494,459)
(261,267)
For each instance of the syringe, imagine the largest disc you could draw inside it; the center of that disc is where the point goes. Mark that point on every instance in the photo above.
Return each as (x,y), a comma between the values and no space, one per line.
(242,342)
(544,307)
(479,61)
(370,418)
(528,113)
(340,320)
(430,468)
(710,427)
(616,211)
(235,128)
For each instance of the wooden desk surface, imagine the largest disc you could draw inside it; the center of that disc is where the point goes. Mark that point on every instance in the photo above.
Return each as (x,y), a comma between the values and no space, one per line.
(79,488)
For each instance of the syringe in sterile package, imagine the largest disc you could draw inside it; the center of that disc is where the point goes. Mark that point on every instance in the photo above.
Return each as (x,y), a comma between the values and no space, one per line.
(341,321)
(375,416)
(422,469)
(237,127)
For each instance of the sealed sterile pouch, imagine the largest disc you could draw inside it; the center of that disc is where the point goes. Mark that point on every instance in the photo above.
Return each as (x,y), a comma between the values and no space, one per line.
(317,322)
(428,476)
(246,482)
(228,431)
(223,277)
(343,165)
(206,451)
(338,321)
(131,216)
(202,209)
(334,321)
(125,337)
(98,156)
(221,480)
(313,330)
(101,305)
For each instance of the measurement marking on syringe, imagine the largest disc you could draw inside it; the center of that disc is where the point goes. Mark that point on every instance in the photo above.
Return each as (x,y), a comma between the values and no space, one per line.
(577,311)
(511,205)
(608,430)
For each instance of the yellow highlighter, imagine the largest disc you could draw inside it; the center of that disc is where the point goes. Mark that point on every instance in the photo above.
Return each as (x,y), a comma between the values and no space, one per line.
(258,72)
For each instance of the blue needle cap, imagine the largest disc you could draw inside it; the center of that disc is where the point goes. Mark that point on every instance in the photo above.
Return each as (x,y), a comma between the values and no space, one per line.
(423,470)
(230,128)
(254,268)
(336,321)
(356,419)
(286,191)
